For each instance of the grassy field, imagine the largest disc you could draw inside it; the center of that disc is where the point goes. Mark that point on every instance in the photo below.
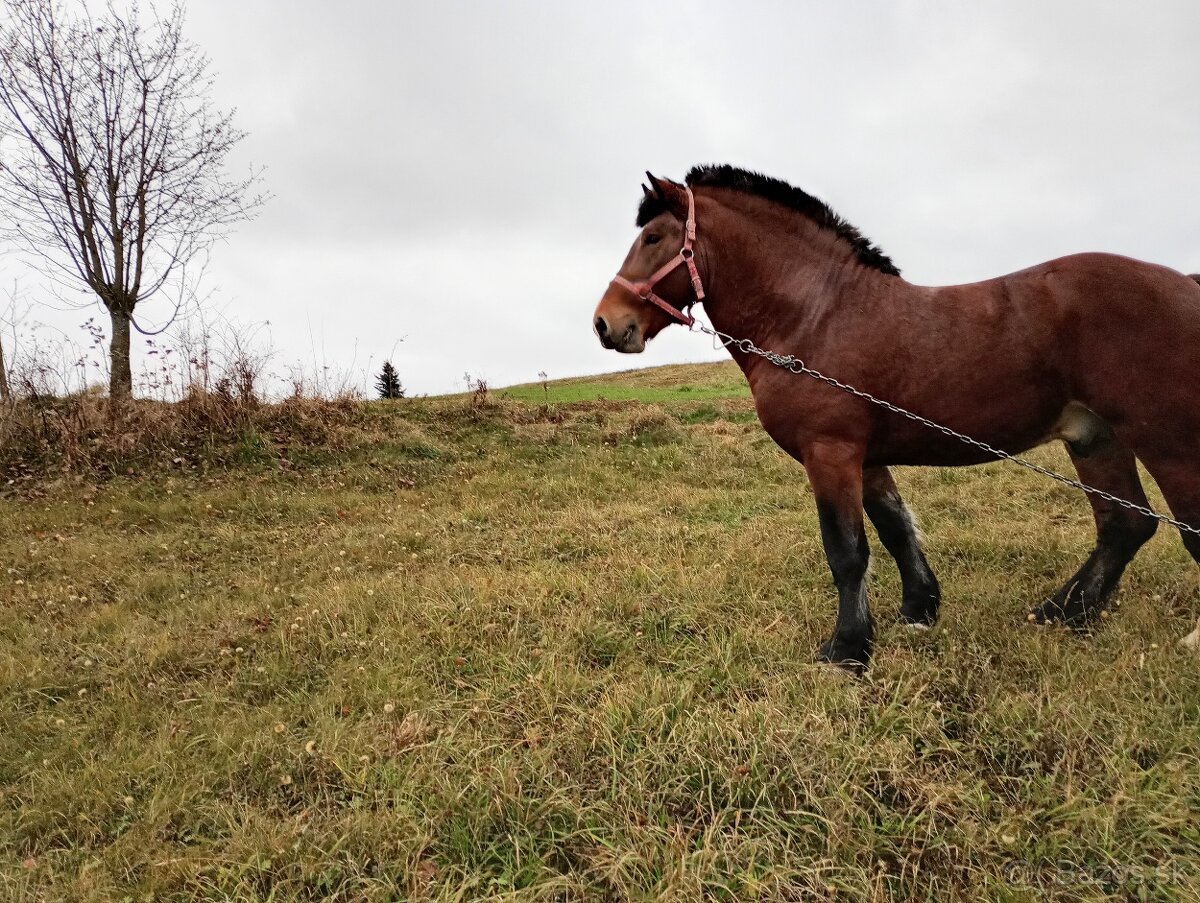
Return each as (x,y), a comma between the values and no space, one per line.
(656,385)
(561,649)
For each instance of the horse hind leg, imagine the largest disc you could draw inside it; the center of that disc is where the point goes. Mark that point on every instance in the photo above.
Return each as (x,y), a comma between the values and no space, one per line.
(1179,480)
(897,531)
(1108,465)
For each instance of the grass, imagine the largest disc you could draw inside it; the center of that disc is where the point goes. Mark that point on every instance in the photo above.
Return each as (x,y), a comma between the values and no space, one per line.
(655,385)
(563,651)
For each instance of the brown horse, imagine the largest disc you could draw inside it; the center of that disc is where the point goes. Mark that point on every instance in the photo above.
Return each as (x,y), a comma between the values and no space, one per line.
(1100,351)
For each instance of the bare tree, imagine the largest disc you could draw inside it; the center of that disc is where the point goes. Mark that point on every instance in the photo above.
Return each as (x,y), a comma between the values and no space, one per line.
(112,157)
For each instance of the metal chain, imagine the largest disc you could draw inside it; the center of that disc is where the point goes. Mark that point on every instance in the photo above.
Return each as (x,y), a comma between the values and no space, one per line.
(796,365)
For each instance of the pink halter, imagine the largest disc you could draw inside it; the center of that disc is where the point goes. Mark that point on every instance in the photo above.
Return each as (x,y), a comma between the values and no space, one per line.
(645,289)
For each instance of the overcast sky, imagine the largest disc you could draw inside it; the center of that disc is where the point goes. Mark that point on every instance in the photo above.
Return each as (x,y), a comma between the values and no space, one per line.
(464,176)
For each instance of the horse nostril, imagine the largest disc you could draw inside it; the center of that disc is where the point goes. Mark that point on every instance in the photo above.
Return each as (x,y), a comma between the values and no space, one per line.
(601,326)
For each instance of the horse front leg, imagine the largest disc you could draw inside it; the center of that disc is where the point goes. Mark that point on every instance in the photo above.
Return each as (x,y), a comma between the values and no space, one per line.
(835,472)
(899,535)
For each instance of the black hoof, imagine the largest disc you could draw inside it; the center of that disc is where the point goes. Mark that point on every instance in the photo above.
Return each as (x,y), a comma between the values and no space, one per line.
(1071,612)
(920,606)
(920,613)
(853,656)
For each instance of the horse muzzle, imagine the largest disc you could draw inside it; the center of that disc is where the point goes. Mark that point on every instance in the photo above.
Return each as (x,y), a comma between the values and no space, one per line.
(626,338)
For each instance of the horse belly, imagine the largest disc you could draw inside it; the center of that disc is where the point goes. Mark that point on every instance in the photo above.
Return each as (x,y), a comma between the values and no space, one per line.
(1012,412)
(937,450)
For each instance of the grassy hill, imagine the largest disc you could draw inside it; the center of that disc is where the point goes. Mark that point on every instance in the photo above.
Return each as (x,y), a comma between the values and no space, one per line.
(655,385)
(552,649)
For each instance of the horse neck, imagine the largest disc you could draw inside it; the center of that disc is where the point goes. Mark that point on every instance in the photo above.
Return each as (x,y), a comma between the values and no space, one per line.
(775,275)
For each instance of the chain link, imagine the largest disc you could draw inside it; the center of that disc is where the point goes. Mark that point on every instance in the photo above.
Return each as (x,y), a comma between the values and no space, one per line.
(795,365)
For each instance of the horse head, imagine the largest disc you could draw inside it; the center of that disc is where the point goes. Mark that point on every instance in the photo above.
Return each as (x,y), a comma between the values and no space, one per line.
(649,292)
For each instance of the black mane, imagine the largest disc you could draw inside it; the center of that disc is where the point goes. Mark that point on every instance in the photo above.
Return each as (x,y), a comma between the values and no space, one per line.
(725,176)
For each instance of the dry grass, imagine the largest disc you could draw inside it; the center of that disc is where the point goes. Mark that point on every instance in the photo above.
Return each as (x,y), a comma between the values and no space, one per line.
(84,435)
(549,652)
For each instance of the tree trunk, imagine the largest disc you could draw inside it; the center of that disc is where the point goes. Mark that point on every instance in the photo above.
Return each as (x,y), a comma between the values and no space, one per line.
(5,394)
(120,379)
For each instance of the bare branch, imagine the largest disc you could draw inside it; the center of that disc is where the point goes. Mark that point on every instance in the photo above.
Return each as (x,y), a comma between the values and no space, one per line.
(112,156)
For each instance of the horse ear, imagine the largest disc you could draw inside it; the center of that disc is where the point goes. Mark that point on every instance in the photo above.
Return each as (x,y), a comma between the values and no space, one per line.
(668,192)
(657,185)
(647,192)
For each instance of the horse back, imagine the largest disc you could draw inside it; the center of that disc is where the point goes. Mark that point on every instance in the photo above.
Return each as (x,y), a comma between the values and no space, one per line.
(1003,359)
(1106,297)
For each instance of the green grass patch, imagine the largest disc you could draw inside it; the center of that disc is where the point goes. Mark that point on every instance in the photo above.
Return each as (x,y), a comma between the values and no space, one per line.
(669,384)
(599,391)
(529,651)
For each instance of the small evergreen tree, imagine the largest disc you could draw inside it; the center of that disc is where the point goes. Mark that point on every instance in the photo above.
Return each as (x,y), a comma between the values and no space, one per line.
(388,384)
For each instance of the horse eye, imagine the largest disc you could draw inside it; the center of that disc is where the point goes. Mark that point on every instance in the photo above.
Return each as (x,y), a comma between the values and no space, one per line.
(651,239)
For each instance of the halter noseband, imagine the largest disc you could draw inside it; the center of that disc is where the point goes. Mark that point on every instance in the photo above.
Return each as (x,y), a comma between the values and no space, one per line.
(645,288)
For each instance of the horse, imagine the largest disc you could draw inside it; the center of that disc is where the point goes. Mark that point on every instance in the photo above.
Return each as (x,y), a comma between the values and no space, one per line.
(1097,350)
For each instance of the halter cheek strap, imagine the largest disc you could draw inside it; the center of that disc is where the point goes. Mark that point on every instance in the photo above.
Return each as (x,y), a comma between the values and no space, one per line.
(685,257)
